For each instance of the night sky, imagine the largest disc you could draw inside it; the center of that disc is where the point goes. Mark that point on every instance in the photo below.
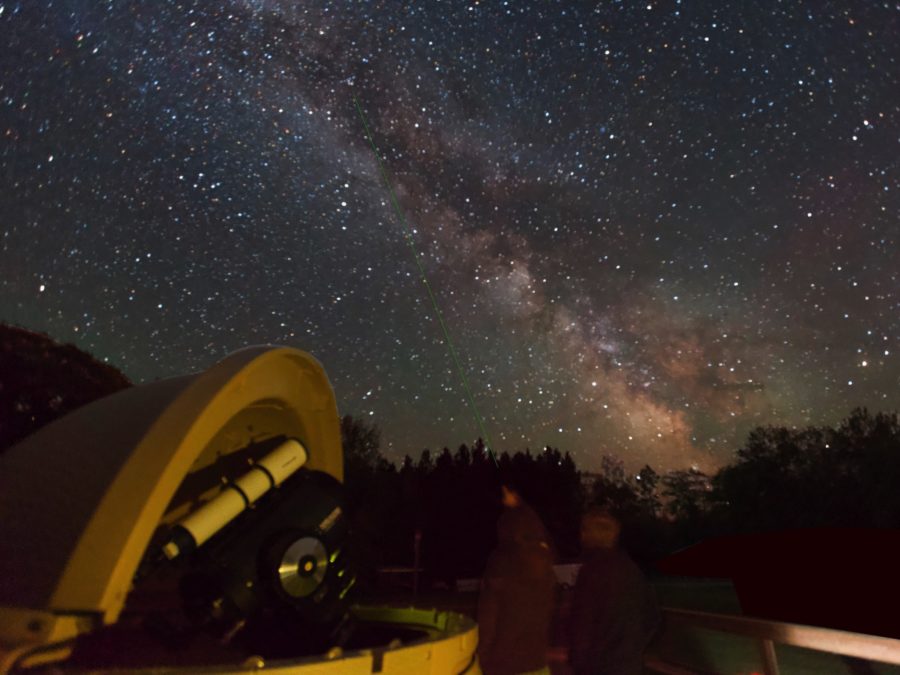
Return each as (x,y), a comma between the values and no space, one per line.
(650,226)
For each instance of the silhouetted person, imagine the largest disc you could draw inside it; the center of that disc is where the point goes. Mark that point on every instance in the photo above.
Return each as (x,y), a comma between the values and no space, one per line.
(517,589)
(614,611)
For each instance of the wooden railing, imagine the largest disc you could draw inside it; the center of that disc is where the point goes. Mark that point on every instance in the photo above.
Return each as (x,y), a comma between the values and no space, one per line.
(769,633)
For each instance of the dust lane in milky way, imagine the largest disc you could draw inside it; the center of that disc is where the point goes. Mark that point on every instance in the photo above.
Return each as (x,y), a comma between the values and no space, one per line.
(651,226)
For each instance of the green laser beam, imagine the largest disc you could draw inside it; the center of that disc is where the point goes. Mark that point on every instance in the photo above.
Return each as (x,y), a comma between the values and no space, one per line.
(437,311)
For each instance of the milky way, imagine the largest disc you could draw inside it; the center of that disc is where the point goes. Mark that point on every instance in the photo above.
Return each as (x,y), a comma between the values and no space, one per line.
(650,226)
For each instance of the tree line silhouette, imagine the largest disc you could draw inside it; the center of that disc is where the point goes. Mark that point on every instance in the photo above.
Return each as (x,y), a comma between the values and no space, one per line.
(42,380)
(845,476)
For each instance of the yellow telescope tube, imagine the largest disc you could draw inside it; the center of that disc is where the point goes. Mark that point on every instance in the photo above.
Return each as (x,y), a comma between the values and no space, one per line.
(269,472)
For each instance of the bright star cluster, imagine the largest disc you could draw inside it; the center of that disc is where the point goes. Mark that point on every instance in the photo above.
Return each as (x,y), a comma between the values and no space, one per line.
(650,226)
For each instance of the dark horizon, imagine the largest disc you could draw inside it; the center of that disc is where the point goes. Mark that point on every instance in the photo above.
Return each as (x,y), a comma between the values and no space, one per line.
(39,370)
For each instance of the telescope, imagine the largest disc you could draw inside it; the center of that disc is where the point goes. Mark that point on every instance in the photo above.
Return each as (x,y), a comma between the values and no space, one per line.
(199,522)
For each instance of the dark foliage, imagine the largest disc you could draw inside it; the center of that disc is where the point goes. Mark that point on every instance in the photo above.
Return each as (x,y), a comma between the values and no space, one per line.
(781,478)
(453,500)
(41,380)
(814,477)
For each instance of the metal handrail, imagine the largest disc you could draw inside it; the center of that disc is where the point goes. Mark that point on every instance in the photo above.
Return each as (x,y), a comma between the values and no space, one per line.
(769,633)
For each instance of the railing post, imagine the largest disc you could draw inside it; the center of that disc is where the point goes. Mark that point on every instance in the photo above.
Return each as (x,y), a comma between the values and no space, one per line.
(770,661)
(417,549)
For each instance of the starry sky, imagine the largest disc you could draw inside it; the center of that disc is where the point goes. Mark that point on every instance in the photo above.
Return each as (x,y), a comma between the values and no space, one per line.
(650,226)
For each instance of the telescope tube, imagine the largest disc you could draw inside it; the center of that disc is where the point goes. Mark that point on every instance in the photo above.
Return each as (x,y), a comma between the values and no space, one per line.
(269,472)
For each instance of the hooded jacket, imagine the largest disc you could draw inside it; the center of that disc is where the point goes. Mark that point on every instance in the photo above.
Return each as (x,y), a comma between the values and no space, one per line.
(516,601)
(614,614)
